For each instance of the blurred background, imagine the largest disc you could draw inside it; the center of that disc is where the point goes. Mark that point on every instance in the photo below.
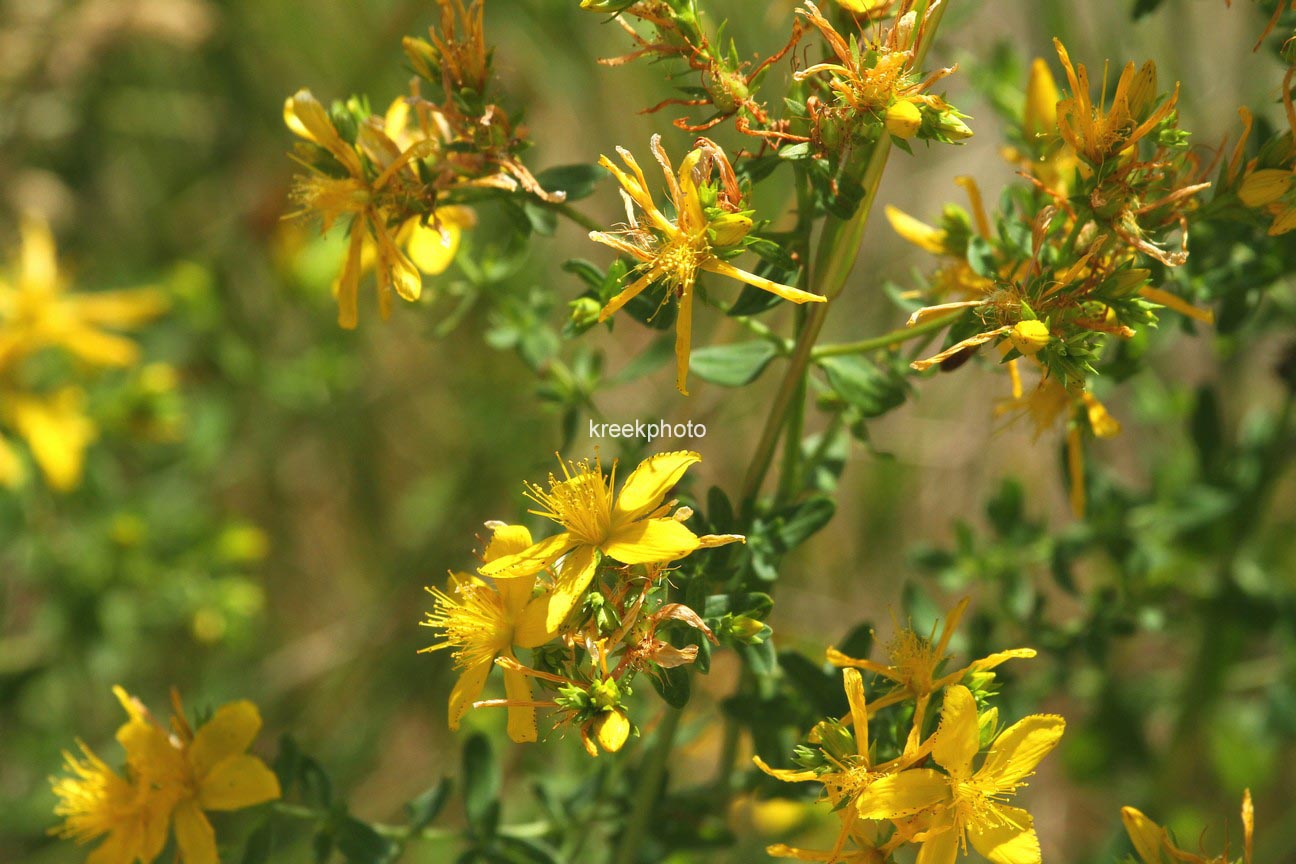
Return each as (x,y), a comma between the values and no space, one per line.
(260,516)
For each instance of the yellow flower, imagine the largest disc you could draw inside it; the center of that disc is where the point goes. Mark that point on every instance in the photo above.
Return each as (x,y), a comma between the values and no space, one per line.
(969,805)
(56,430)
(1098,133)
(95,801)
(359,198)
(850,775)
(481,622)
(672,252)
(915,664)
(36,311)
(172,779)
(635,527)
(1153,845)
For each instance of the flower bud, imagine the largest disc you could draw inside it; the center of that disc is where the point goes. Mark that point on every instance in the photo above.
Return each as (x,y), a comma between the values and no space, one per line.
(611,729)
(903,119)
(746,630)
(1040,117)
(1264,186)
(728,229)
(950,126)
(605,693)
(1029,337)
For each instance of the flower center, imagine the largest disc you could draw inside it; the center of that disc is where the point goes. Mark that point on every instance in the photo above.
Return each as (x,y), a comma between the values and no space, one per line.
(475,623)
(680,258)
(581,502)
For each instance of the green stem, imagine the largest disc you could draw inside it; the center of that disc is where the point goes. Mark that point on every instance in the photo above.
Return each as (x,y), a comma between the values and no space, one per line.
(886,340)
(652,771)
(835,257)
(565,209)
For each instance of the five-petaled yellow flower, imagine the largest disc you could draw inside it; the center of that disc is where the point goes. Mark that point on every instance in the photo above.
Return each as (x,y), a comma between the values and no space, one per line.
(672,252)
(634,527)
(967,803)
(481,622)
(172,778)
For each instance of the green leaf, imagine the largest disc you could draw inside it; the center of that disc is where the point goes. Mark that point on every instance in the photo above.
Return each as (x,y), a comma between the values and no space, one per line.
(423,810)
(753,604)
(860,382)
(805,519)
(481,782)
(673,686)
(578,180)
(732,365)
(359,843)
(1144,7)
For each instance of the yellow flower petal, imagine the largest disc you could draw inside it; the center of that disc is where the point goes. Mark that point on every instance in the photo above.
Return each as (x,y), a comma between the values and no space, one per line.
(195,835)
(650,541)
(915,231)
(1000,657)
(958,737)
(683,337)
(897,795)
(1145,834)
(129,308)
(530,560)
(229,732)
(306,117)
(521,718)
(467,689)
(430,249)
(787,292)
(57,432)
(38,264)
(939,848)
(854,684)
(650,483)
(1011,841)
(574,577)
(347,288)
(506,540)
(395,269)
(1040,117)
(238,782)
(532,629)
(788,775)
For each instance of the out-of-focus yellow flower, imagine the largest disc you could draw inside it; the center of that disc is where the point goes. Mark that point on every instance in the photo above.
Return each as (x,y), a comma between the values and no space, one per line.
(634,527)
(1099,132)
(1152,843)
(398,247)
(1051,160)
(37,312)
(967,803)
(672,252)
(56,430)
(480,622)
(171,780)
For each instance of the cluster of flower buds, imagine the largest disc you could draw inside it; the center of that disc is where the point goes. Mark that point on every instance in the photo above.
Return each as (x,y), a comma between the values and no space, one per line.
(1068,264)
(591,603)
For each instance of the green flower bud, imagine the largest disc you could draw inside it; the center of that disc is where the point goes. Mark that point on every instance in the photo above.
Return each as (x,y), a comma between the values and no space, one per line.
(728,229)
